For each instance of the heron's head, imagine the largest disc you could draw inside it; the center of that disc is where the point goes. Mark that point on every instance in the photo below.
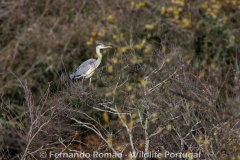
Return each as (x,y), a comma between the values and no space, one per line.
(102,46)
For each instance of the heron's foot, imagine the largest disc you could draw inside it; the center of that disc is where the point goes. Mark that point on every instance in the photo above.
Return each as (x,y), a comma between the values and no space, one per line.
(91,87)
(84,94)
(82,90)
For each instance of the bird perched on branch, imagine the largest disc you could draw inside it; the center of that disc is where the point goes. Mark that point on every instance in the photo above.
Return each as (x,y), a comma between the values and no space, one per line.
(87,68)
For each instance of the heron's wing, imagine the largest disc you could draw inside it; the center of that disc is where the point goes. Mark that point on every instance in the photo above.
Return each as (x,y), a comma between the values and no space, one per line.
(84,68)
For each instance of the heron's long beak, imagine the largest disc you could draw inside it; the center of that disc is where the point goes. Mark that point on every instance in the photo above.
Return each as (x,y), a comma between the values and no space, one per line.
(107,47)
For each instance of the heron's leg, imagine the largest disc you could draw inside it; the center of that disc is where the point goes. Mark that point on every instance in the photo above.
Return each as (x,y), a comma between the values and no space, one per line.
(90,82)
(82,82)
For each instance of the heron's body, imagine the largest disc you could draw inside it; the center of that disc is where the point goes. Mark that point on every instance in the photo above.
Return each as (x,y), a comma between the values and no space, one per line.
(87,68)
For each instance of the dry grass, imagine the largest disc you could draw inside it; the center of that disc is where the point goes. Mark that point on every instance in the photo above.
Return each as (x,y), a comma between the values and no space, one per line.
(171,83)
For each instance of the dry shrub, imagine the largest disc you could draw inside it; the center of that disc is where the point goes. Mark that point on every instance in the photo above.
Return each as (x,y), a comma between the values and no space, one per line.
(170,84)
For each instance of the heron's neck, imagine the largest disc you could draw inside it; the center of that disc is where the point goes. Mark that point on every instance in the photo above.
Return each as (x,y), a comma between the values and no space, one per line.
(97,63)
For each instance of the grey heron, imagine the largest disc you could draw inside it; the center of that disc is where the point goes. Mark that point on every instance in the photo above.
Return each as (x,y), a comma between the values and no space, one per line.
(87,68)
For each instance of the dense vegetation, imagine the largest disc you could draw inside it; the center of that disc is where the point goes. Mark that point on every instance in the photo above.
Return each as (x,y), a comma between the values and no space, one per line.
(170,83)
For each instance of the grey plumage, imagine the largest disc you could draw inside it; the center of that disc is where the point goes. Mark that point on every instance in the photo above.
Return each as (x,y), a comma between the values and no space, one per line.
(87,68)
(83,69)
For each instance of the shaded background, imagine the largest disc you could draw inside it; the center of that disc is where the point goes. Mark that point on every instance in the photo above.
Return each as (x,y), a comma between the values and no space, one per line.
(42,42)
